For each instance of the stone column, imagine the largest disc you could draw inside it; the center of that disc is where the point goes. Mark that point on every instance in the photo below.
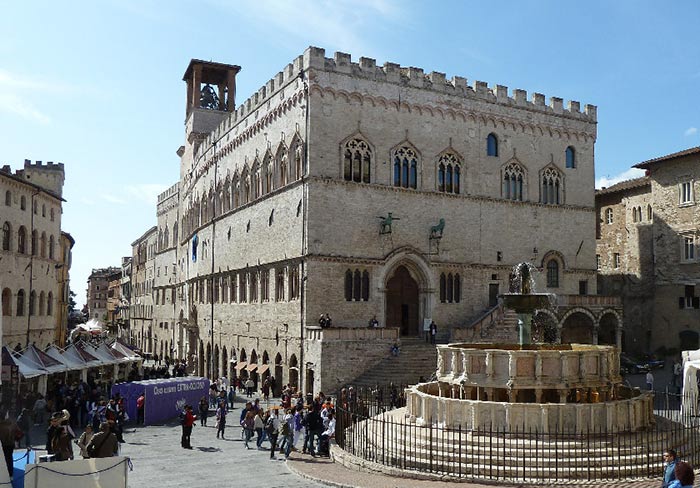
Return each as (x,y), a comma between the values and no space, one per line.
(596,328)
(618,337)
(231,86)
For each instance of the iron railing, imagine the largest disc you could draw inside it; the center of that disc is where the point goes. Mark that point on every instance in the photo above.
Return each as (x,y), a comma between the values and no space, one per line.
(369,427)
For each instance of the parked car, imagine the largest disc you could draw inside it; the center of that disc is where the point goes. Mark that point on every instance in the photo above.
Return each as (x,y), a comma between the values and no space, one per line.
(630,366)
(652,362)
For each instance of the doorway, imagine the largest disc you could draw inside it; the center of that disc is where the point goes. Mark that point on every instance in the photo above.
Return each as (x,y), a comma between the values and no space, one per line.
(493,294)
(402,302)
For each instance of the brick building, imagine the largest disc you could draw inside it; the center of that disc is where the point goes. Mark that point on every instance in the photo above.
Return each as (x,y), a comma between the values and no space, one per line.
(357,190)
(647,252)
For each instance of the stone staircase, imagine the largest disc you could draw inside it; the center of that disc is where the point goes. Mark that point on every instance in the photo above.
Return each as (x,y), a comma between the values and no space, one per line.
(494,325)
(417,359)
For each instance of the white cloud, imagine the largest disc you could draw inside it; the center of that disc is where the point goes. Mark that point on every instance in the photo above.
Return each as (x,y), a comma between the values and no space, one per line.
(146,192)
(113,199)
(16,105)
(608,181)
(340,24)
(691,131)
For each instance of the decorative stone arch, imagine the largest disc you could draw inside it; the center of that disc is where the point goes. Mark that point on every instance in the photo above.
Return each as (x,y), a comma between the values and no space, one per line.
(224,362)
(406,145)
(460,164)
(553,254)
(580,332)
(548,171)
(294,371)
(603,328)
(419,270)
(342,147)
(278,374)
(508,168)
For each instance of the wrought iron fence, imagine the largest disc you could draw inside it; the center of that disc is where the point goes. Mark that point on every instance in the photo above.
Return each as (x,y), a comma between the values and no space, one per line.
(370,427)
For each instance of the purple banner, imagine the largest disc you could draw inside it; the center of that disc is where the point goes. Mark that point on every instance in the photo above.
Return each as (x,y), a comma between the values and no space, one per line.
(164,398)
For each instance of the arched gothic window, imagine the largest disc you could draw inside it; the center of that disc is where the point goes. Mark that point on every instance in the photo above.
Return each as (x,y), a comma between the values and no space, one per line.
(49,304)
(570,157)
(6,236)
(175,233)
(356,285)
(348,285)
(21,240)
(550,191)
(51,246)
(357,161)
(23,202)
(52,214)
(449,173)
(34,242)
(552,273)
(6,302)
(8,198)
(300,167)
(32,303)
(639,213)
(406,167)
(492,145)
(609,215)
(43,245)
(268,175)
(650,213)
(20,303)
(513,177)
(42,303)
(450,288)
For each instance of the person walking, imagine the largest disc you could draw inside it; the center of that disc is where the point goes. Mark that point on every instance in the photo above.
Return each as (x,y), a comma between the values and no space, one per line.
(24,422)
(259,426)
(140,408)
(221,419)
(272,427)
(249,386)
(433,331)
(103,444)
(287,433)
(684,476)
(248,426)
(39,410)
(84,440)
(231,396)
(8,433)
(650,381)
(669,473)
(188,421)
(203,411)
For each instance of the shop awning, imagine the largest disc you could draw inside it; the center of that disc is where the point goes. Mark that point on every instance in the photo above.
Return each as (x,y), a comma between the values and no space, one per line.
(71,362)
(126,351)
(240,366)
(263,368)
(252,367)
(79,349)
(27,367)
(37,356)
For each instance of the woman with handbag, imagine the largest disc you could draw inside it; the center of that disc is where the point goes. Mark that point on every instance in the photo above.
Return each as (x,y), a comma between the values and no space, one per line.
(84,440)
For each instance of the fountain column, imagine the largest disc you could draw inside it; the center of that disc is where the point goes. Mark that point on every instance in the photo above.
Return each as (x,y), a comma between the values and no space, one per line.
(524,329)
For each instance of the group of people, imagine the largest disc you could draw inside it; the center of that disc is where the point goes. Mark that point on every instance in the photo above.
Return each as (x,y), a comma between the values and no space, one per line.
(677,474)
(325,321)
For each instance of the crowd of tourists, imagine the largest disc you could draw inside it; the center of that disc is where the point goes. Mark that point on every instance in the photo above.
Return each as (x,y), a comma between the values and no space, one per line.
(273,428)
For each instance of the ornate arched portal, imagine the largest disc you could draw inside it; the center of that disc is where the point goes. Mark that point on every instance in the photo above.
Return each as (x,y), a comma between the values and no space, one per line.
(405,282)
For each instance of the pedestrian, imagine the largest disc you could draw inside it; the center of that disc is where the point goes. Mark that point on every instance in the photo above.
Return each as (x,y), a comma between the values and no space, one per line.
(24,422)
(249,387)
(231,396)
(373,323)
(272,428)
(221,419)
(203,411)
(248,426)
(433,331)
(8,433)
(63,435)
(677,370)
(650,381)
(298,425)
(84,440)
(140,408)
(259,426)
(329,322)
(314,427)
(670,461)
(322,322)
(266,389)
(39,410)
(684,476)
(188,420)
(103,444)
(287,433)
(327,435)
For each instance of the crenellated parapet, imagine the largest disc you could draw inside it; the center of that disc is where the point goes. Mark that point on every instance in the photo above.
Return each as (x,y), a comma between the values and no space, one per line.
(314,58)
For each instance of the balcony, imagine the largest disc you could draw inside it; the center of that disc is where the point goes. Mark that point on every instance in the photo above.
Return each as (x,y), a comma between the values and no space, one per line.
(589,301)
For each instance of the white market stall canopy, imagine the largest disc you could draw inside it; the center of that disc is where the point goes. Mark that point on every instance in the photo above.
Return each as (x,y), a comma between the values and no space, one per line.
(691,366)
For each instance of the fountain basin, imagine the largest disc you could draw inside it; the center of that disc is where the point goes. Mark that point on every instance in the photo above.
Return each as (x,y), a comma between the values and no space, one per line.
(528,303)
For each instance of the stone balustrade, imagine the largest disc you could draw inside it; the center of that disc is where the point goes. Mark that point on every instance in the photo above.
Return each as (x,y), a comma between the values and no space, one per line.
(351,334)
(560,367)
(425,406)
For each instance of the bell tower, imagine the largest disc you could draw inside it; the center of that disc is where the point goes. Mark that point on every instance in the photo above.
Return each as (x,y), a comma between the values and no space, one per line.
(211,95)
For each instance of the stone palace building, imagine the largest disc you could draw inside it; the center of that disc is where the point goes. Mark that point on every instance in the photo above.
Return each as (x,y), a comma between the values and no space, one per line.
(648,243)
(360,191)
(35,256)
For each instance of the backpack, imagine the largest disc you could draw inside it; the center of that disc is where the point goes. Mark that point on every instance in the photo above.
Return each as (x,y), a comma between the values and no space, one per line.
(285,429)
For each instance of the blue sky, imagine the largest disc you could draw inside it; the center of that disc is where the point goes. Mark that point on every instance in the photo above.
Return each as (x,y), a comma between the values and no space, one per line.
(97,84)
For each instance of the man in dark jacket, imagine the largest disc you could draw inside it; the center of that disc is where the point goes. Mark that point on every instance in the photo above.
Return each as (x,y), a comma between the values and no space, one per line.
(187,422)
(314,426)
(8,432)
(104,443)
